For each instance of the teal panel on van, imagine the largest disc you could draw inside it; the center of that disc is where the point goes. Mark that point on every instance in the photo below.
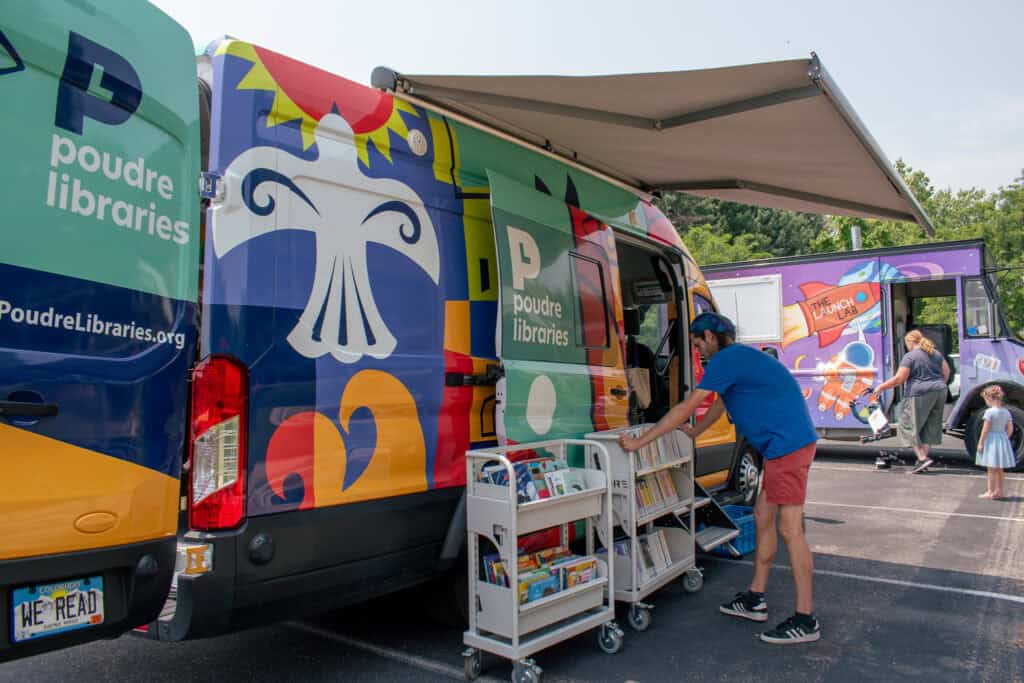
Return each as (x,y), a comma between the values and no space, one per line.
(101,177)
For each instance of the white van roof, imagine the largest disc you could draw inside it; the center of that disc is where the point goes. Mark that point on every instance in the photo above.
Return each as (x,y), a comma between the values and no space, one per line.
(777,134)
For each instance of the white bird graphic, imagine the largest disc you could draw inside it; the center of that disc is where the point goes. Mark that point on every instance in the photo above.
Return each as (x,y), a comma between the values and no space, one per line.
(267,189)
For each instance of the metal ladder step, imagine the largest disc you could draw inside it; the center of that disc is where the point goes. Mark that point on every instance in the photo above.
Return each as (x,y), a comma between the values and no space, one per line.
(714,536)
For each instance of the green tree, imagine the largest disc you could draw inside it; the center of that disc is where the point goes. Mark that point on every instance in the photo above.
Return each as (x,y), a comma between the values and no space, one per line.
(709,245)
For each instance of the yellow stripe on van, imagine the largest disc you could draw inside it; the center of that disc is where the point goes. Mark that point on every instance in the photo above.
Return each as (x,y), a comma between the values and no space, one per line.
(51,486)
(713,479)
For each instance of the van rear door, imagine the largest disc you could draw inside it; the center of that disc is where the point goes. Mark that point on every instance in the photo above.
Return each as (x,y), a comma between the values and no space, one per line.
(98,276)
(560,325)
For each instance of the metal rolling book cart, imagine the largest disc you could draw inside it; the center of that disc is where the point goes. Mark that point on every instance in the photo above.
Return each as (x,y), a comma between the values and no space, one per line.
(653,502)
(498,622)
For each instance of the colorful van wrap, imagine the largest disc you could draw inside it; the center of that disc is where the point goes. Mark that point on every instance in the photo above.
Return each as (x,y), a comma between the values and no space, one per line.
(98,272)
(368,222)
(99,252)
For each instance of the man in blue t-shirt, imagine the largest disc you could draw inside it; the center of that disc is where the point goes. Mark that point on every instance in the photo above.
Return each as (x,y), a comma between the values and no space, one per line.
(768,408)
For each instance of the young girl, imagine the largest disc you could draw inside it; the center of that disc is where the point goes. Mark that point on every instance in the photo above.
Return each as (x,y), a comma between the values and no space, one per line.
(994,449)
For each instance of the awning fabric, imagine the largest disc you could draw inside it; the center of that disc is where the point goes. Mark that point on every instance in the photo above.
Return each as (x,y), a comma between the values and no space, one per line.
(778,134)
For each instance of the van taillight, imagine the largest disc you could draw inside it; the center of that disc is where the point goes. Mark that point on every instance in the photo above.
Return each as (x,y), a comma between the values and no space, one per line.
(217,474)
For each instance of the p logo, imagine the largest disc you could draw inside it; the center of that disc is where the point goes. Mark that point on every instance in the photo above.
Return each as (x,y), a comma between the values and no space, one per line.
(525,257)
(75,102)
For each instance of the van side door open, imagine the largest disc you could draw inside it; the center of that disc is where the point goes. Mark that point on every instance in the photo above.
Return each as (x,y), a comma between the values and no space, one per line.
(559,332)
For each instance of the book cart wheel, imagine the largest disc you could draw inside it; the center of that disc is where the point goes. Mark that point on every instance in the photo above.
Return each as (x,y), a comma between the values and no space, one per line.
(472,663)
(693,581)
(639,617)
(526,671)
(609,638)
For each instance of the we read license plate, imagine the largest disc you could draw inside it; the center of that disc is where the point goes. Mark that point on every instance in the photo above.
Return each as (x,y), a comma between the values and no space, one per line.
(53,608)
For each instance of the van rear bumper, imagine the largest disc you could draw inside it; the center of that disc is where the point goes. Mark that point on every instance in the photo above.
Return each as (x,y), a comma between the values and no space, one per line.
(134,590)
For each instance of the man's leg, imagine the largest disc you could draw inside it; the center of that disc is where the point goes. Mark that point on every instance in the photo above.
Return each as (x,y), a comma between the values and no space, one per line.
(792,531)
(765,515)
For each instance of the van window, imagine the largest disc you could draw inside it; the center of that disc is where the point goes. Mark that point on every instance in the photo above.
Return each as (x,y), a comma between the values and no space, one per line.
(754,304)
(591,303)
(977,309)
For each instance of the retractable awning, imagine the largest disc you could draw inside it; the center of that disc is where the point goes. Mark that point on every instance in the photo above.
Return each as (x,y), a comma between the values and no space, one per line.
(779,134)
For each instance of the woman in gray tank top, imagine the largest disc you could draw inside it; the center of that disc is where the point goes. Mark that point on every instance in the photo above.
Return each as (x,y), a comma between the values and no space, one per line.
(925,373)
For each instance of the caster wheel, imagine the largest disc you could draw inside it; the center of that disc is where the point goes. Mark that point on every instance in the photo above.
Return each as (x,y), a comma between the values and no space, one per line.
(472,664)
(639,618)
(693,581)
(525,673)
(610,639)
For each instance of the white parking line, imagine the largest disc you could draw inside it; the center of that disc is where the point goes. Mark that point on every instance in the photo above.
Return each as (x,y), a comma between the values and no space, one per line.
(892,582)
(389,653)
(916,511)
(950,470)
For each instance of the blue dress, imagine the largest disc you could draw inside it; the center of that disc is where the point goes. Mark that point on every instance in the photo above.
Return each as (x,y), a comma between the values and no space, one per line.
(998,452)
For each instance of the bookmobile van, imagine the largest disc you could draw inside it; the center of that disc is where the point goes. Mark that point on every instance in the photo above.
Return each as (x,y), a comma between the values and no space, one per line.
(387,277)
(838,322)
(99,245)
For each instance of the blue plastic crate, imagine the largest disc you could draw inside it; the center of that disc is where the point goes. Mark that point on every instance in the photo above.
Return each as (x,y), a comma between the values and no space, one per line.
(743,517)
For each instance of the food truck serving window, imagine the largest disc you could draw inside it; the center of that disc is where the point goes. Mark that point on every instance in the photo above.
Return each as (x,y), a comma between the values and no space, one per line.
(754,304)
(978,316)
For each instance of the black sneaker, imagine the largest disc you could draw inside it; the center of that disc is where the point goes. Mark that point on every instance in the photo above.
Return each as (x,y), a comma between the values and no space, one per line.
(746,605)
(793,630)
(922,465)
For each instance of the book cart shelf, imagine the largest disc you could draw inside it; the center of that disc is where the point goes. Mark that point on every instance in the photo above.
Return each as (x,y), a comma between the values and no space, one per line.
(498,622)
(653,503)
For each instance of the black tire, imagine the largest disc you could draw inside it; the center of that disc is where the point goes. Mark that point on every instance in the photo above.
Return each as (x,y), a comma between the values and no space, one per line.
(745,475)
(974,425)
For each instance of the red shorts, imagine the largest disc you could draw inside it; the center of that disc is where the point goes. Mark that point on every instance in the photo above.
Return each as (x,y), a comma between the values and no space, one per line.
(785,477)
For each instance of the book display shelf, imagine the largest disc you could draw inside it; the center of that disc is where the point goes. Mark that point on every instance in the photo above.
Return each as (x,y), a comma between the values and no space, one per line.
(521,603)
(653,505)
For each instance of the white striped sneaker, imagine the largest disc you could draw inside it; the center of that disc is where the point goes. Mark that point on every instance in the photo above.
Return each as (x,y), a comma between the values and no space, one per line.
(746,606)
(793,630)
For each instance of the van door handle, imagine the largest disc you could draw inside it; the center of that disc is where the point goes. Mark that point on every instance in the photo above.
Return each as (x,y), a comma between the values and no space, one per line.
(27,409)
(619,391)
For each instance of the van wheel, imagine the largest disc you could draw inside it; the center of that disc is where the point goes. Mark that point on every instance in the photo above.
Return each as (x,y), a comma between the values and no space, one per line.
(975,423)
(744,478)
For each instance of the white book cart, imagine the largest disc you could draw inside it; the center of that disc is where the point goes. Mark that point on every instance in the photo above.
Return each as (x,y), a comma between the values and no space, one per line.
(672,517)
(498,623)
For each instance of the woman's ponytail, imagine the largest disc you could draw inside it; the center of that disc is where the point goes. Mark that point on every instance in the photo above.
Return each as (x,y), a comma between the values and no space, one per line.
(914,337)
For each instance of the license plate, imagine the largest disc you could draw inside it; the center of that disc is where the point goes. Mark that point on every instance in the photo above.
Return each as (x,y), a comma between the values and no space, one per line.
(49,609)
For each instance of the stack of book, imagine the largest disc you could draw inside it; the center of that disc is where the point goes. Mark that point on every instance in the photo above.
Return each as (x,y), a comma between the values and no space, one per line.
(543,573)
(655,491)
(661,451)
(537,478)
(654,554)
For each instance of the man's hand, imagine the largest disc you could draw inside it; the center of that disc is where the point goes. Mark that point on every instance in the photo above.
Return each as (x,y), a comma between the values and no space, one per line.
(628,443)
(689,430)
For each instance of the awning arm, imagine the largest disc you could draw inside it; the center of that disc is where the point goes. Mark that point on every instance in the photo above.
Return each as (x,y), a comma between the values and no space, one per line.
(386,79)
(860,131)
(739,184)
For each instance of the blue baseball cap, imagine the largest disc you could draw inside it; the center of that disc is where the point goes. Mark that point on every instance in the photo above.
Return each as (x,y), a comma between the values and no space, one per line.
(716,322)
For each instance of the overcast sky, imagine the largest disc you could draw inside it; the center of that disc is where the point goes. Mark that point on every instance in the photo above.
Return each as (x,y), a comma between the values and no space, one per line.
(939,84)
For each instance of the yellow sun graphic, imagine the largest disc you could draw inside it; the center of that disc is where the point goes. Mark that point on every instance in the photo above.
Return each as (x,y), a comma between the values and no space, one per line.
(284,109)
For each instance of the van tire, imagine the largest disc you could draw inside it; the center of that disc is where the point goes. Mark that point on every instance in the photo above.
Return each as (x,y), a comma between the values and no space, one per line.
(746,475)
(974,425)
(447,599)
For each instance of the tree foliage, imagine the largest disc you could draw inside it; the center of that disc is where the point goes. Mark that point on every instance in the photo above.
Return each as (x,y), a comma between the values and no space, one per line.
(718,232)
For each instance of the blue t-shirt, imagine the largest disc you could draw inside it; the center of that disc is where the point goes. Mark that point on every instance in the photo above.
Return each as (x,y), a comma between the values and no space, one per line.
(762,398)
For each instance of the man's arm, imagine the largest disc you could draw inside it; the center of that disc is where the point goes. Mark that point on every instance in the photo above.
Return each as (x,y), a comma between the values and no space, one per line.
(672,420)
(711,417)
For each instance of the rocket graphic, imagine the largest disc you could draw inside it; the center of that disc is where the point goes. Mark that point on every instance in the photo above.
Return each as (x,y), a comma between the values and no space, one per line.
(827,310)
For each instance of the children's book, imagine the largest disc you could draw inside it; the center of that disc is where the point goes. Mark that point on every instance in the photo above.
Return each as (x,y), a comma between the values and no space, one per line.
(574,480)
(556,482)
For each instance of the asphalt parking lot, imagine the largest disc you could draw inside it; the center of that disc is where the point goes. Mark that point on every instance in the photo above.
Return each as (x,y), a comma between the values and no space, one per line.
(916,578)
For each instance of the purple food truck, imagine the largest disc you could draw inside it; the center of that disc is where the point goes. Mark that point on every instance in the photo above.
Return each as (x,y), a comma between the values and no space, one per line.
(837,322)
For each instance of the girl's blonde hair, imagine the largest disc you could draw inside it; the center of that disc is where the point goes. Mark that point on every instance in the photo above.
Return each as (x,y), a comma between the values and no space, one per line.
(994,393)
(915,337)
